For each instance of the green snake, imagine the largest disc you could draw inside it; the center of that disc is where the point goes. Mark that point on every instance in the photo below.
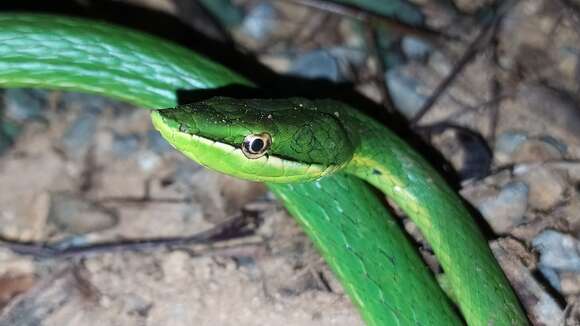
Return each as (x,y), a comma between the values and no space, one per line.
(316,156)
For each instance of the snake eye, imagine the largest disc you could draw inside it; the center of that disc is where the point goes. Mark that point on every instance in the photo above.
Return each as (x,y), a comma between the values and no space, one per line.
(256,145)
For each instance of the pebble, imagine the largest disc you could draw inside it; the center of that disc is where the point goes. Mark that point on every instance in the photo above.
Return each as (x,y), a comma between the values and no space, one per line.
(92,104)
(415,49)
(79,135)
(507,209)
(547,187)
(260,21)
(25,104)
(404,91)
(72,214)
(560,146)
(558,251)
(551,276)
(555,109)
(519,147)
(507,143)
(157,143)
(537,150)
(317,64)
(8,131)
(570,283)
(540,305)
(148,161)
(125,146)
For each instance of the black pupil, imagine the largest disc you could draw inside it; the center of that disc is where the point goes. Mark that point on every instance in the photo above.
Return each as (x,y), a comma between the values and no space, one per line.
(256,145)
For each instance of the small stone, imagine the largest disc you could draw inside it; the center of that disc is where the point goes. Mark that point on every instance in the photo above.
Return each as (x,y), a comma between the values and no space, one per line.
(72,214)
(124,146)
(318,64)
(554,110)
(415,48)
(260,21)
(506,210)
(539,303)
(148,161)
(78,137)
(546,186)
(157,143)
(506,144)
(90,104)
(404,91)
(551,276)
(570,211)
(570,283)
(560,146)
(24,104)
(220,195)
(8,131)
(536,150)
(558,251)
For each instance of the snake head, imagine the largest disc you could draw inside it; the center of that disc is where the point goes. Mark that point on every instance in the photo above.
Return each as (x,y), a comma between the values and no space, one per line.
(260,140)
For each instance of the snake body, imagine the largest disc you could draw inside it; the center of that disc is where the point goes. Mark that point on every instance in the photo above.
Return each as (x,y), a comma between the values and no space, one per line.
(365,247)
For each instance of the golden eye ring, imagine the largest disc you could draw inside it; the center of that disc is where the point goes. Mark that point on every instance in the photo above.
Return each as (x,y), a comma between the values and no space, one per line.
(256,145)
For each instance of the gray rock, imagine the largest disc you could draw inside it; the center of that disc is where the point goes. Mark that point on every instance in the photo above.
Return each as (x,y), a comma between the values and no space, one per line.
(90,103)
(569,283)
(415,48)
(404,92)
(318,64)
(260,21)
(516,146)
(72,214)
(148,160)
(24,104)
(536,150)
(156,143)
(506,210)
(8,132)
(5,142)
(79,135)
(562,148)
(125,145)
(507,142)
(547,187)
(551,276)
(554,108)
(558,251)
(539,303)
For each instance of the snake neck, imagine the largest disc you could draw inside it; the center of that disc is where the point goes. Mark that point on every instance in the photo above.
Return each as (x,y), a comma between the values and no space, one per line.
(385,161)
(388,163)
